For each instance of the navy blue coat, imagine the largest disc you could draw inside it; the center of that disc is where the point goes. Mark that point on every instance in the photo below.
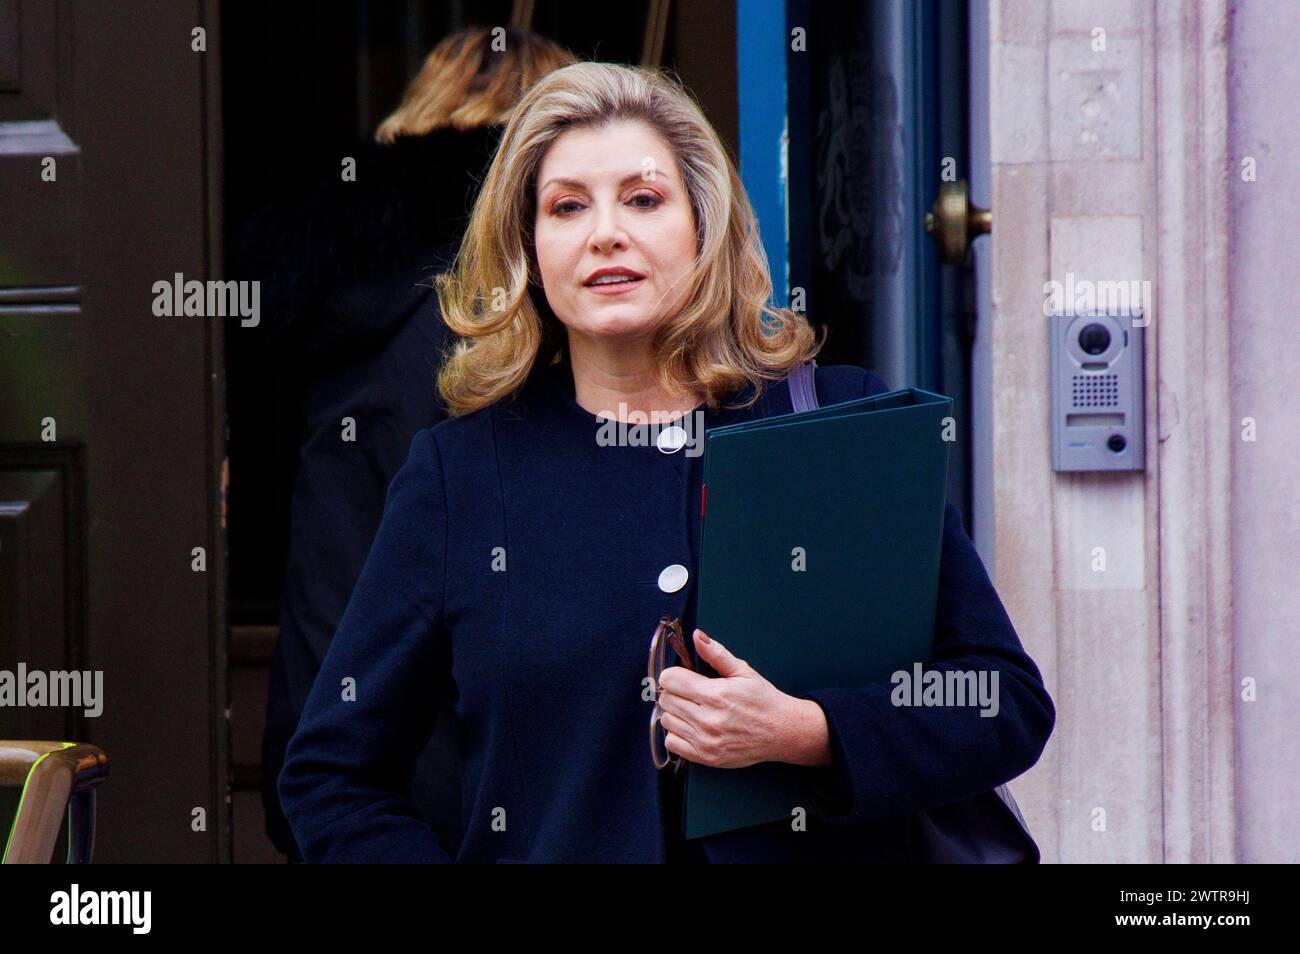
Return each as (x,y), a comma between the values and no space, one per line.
(544,659)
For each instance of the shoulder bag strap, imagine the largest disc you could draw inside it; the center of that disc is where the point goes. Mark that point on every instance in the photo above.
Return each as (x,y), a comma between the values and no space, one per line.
(803,389)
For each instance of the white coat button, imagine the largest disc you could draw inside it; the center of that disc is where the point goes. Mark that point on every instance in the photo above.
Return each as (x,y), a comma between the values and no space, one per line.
(673,578)
(672,439)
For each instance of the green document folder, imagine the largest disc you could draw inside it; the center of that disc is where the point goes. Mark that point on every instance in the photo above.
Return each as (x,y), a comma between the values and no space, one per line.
(854,493)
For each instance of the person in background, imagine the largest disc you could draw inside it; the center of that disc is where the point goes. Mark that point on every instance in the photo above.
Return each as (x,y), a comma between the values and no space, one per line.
(348,289)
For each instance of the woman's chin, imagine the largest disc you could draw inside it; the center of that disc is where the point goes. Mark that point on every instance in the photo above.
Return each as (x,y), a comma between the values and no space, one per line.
(618,326)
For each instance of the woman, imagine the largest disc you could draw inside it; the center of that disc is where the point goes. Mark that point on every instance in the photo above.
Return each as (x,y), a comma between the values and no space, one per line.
(611,268)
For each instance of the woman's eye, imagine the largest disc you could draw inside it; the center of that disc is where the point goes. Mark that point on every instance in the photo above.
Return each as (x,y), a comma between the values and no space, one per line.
(569,206)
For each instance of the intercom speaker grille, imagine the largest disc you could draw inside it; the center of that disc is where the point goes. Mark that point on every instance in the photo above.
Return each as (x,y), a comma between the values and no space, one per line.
(1096,390)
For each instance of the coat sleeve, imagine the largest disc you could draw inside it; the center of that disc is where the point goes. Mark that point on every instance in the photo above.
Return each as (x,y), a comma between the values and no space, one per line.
(892,760)
(345,785)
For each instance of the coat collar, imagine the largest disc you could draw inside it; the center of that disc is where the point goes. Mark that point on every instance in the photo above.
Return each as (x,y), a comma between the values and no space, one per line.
(550,389)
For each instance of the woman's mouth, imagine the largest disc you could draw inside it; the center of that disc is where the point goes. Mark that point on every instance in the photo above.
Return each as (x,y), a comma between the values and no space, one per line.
(614,285)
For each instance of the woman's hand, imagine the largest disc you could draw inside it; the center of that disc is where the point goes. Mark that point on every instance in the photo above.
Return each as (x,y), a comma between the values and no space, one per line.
(740,718)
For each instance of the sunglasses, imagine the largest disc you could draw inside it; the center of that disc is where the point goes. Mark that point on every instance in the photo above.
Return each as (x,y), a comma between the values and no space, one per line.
(667,633)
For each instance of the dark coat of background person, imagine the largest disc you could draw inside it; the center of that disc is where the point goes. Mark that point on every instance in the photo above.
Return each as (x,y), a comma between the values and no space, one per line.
(347,288)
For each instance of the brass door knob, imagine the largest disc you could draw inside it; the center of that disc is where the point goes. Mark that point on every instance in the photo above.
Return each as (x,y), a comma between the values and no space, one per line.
(954,222)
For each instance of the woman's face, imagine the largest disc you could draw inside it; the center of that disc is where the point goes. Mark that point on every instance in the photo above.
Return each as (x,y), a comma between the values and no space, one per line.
(612,198)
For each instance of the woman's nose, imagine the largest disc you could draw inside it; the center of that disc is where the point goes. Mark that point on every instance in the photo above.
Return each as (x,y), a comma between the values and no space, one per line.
(607,229)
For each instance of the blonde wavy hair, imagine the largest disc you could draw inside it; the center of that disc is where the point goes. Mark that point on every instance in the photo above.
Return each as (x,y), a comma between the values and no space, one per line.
(724,336)
(473,78)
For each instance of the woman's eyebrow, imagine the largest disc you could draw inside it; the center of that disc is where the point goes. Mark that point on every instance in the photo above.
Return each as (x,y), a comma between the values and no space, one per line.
(579,184)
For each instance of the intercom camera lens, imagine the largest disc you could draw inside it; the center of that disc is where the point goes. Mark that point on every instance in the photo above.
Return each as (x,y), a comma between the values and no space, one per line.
(1094,339)
(1117,443)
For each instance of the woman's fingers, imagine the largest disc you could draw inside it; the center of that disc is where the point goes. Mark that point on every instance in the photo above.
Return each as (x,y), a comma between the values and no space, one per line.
(685,684)
(680,706)
(684,747)
(674,719)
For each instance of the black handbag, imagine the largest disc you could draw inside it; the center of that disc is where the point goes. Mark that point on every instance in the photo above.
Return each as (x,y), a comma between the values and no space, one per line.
(984,829)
